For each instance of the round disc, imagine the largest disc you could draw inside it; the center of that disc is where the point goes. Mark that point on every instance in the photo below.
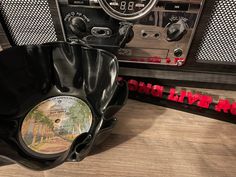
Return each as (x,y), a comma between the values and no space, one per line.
(51,126)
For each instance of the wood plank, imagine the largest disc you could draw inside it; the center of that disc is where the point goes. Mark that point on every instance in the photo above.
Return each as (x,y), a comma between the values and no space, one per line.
(151,140)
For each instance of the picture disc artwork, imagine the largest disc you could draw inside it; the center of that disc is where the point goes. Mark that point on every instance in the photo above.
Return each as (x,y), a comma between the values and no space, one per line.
(51,126)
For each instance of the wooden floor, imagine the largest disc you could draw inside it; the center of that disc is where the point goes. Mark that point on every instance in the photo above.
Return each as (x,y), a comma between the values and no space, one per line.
(154,141)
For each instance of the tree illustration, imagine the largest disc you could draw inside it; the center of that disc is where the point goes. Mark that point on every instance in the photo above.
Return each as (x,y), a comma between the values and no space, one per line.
(78,119)
(39,118)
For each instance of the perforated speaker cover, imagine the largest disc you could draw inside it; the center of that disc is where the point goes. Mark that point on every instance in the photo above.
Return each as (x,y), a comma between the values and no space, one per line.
(218,44)
(28,21)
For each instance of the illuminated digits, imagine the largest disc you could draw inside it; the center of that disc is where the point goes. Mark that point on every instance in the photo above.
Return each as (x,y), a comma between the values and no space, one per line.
(131,5)
(122,5)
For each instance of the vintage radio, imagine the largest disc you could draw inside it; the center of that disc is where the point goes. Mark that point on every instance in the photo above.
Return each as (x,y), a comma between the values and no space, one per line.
(192,41)
(67,92)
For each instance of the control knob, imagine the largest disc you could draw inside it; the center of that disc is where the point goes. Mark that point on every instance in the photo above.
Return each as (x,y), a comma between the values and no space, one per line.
(77,25)
(176,31)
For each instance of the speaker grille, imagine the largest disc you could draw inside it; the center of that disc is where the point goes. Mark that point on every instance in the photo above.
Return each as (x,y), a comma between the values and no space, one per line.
(28,21)
(218,44)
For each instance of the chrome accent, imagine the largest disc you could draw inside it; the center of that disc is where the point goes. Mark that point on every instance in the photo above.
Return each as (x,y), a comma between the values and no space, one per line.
(101,31)
(124,17)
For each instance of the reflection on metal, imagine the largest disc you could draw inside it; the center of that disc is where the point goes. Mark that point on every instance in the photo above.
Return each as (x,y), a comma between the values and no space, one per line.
(51,126)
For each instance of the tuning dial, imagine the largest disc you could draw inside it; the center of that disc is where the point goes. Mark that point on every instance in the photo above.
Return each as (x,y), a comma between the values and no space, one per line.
(77,25)
(176,31)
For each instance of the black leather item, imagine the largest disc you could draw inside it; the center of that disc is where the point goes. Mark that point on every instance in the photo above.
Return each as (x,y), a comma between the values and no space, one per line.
(31,74)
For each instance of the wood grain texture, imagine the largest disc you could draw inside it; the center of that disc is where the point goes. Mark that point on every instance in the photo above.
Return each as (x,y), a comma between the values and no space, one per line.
(152,141)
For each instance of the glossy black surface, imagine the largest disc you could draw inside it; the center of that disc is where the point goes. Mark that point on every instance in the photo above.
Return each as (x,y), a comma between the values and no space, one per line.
(31,74)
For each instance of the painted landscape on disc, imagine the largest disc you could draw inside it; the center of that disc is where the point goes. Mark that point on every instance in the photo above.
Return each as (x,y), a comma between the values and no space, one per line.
(51,126)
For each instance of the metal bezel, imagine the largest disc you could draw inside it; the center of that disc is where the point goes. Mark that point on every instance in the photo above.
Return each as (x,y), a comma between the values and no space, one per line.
(127,17)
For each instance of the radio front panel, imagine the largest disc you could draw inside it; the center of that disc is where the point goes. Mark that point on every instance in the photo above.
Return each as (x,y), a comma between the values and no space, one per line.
(186,40)
(164,35)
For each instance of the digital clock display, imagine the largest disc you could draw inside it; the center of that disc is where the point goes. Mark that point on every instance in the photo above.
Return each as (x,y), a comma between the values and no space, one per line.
(127,7)
(127,10)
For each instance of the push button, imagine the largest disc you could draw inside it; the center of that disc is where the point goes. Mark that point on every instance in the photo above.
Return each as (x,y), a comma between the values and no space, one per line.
(177,6)
(78,2)
(178,52)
